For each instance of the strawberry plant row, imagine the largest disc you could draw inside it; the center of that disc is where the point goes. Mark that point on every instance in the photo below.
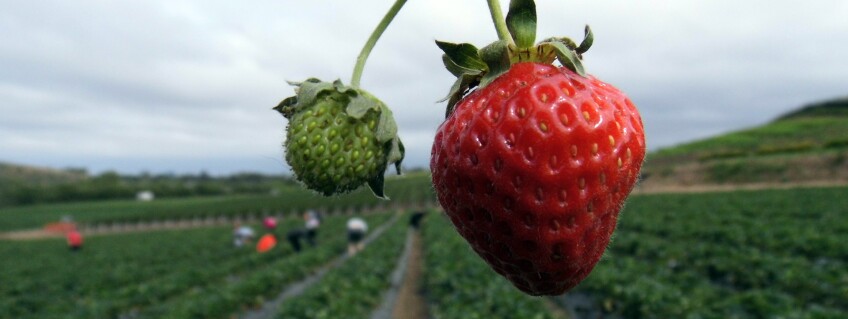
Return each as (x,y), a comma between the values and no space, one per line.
(756,254)
(460,285)
(354,289)
(224,298)
(65,280)
(118,274)
(177,285)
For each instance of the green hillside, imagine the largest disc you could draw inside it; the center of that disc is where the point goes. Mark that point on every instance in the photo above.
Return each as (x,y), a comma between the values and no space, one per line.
(809,144)
(29,175)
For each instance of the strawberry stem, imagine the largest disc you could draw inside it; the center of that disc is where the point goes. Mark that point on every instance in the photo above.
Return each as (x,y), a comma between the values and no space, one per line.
(366,50)
(498,19)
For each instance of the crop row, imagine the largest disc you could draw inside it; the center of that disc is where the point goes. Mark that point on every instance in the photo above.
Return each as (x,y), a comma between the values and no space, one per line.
(227,297)
(355,288)
(460,285)
(758,254)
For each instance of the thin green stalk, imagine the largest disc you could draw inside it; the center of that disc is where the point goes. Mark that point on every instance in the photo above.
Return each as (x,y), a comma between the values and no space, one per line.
(366,50)
(498,19)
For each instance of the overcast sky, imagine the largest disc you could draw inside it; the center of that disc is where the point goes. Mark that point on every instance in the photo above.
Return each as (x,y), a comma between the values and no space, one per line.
(184,86)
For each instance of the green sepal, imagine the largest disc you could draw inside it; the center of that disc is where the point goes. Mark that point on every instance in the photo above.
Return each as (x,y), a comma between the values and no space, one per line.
(455,69)
(588,39)
(386,127)
(286,107)
(463,55)
(570,44)
(463,84)
(496,56)
(521,22)
(397,154)
(567,57)
(305,93)
(387,132)
(499,56)
(360,104)
(376,185)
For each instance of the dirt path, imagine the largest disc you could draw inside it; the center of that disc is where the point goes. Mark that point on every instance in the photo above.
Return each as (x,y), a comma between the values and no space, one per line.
(654,188)
(411,303)
(34,234)
(396,279)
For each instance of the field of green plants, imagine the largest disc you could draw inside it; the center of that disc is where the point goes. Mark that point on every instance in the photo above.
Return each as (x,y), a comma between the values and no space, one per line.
(744,254)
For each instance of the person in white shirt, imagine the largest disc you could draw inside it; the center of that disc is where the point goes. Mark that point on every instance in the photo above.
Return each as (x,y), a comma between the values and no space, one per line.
(312,224)
(242,234)
(356,229)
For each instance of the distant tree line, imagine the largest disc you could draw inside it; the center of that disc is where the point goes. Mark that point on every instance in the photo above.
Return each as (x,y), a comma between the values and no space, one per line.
(111,185)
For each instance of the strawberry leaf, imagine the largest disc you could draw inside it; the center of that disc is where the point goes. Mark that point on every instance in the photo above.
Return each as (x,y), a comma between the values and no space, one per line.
(521,22)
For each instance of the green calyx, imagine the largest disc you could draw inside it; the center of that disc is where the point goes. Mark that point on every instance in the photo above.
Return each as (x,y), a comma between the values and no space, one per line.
(476,68)
(351,105)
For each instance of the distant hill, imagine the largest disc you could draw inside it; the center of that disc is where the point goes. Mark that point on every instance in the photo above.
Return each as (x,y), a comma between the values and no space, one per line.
(30,175)
(806,145)
(14,177)
(836,107)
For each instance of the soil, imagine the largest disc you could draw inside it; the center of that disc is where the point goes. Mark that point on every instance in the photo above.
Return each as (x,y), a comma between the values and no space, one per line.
(33,234)
(411,303)
(658,188)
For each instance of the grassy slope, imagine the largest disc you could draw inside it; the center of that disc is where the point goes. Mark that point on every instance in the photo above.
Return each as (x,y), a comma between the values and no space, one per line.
(808,144)
(13,175)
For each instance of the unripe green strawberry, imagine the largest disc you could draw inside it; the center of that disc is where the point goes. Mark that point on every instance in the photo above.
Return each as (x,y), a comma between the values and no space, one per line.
(339,138)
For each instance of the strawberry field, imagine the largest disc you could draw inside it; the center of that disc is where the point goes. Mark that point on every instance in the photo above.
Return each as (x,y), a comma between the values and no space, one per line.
(747,254)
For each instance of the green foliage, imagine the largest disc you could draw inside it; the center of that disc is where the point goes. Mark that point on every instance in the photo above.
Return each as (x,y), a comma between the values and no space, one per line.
(224,298)
(355,288)
(21,185)
(744,254)
(168,274)
(751,254)
(831,108)
(808,134)
(742,171)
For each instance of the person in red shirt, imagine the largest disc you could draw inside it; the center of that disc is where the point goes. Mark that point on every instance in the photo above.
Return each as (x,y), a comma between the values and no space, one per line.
(74,240)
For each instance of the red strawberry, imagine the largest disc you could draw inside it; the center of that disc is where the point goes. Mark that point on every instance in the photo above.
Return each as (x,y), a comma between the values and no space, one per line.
(534,167)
